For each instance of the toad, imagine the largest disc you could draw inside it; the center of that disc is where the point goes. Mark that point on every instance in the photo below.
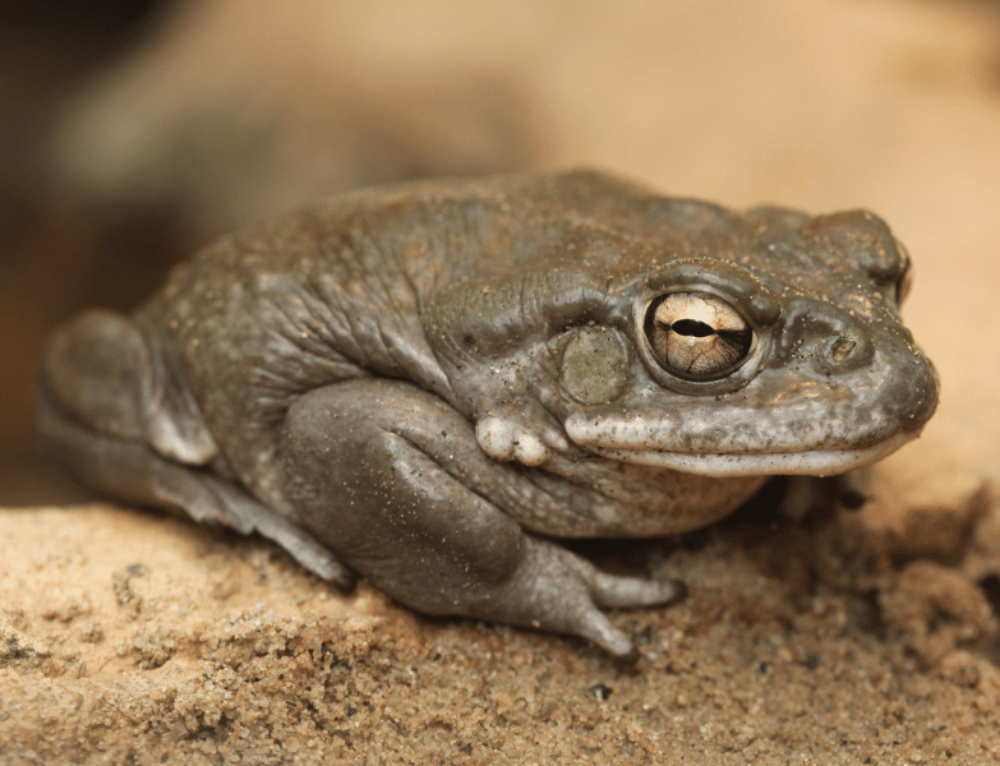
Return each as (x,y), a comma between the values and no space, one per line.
(428,385)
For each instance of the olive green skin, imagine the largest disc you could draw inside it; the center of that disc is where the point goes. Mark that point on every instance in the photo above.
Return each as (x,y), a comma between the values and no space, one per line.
(412,383)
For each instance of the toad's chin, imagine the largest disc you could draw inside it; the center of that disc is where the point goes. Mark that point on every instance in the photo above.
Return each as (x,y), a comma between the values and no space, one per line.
(818,462)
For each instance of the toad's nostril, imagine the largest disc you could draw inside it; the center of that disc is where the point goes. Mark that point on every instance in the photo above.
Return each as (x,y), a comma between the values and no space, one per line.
(841,353)
(835,342)
(841,349)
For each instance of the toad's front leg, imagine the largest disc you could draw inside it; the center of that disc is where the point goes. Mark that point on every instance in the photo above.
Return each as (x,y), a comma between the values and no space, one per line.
(393,480)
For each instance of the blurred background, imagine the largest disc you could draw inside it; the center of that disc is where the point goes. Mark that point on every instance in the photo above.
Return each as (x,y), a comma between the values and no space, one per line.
(131,133)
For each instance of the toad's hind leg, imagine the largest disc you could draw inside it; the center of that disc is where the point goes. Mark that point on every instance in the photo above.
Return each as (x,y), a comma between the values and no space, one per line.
(394,481)
(93,414)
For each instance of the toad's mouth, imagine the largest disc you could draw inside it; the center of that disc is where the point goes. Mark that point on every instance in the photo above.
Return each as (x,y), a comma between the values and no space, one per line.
(812,462)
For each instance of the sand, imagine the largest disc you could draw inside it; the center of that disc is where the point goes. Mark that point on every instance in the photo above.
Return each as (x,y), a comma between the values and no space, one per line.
(136,638)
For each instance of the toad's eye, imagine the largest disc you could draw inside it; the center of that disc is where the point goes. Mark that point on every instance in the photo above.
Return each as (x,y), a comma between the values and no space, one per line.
(697,336)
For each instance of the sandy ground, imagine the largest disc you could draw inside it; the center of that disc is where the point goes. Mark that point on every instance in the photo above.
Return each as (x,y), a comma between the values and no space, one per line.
(865,637)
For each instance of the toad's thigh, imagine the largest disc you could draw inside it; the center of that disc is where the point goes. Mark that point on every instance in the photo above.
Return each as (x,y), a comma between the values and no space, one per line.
(363,467)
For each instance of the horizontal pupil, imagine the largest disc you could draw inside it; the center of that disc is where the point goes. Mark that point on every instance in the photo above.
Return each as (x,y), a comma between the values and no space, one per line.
(692,328)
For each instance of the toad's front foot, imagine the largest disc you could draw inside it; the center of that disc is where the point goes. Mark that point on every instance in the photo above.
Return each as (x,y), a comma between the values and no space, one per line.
(554,589)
